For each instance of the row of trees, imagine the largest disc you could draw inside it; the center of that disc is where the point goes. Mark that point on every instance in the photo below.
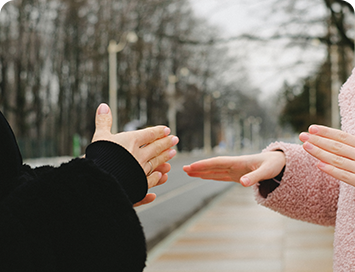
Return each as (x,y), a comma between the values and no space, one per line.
(310,99)
(307,28)
(54,69)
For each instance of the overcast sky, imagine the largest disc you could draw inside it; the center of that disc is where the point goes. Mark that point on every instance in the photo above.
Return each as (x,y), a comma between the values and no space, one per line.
(233,16)
(268,65)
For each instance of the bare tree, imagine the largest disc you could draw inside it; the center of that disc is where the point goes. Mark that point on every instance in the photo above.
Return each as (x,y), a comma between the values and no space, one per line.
(56,71)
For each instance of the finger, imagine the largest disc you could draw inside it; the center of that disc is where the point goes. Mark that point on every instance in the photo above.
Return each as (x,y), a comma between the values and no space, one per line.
(146,200)
(224,174)
(163,168)
(149,135)
(329,145)
(213,175)
(208,164)
(103,119)
(187,168)
(330,158)
(161,159)
(103,123)
(207,171)
(154,179)
(337,173)
(162,180)
(262,173)
(334,134)
(157,147)
(218,168)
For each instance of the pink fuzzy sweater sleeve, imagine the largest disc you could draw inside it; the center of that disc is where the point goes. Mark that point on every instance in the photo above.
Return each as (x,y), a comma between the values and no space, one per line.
(305,193)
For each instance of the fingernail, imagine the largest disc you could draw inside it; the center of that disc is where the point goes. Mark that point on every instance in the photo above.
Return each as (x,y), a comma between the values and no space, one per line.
(172,153)
(245,181)
(313,129)
(103,109)
(167,131)
(175,140)
(308,146)
(304,137)
(321,165)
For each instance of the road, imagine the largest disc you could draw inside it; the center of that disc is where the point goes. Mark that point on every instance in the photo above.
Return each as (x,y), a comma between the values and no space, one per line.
(177,200)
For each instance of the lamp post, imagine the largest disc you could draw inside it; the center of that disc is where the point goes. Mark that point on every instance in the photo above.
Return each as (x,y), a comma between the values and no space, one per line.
(113,49)
(171,91)
(334,59)
(207,142)
(174,103)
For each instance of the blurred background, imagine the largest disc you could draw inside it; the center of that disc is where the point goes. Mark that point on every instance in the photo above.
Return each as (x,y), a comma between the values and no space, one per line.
(225,75)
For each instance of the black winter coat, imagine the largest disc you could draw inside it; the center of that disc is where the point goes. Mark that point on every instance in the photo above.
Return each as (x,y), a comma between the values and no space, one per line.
(78,217)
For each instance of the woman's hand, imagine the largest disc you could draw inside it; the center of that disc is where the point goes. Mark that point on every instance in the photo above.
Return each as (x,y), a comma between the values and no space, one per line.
(152,147)
(334,148)
(248,170)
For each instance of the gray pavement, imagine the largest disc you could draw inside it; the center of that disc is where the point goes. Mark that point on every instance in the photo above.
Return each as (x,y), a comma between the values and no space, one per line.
(234,234)
(177,200)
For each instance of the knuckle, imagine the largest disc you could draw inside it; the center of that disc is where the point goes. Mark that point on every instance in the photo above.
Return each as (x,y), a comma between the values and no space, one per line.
(338,161)
(337,147)
(151,134)
(317,151)
(158,148)
(343,136)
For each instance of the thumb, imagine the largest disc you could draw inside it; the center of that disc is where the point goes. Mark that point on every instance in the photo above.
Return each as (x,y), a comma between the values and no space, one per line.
(253,177)
(103,120)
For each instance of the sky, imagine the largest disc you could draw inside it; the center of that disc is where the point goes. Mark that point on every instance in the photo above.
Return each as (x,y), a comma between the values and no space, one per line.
(268,65)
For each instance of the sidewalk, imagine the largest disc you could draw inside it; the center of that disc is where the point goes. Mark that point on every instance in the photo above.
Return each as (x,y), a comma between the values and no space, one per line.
(234,234)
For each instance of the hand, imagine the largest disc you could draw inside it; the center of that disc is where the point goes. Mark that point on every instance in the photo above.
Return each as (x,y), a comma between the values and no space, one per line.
(248,170)
(152,147)
(334,148)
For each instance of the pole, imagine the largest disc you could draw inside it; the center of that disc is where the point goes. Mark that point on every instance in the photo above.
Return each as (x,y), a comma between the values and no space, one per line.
(207,124)
(236,125)
(313,100)
(113,84)
(172,103)
(335,86)
(113,49)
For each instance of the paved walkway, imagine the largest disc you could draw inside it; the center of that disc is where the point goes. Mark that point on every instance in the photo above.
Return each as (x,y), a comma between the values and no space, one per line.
(234,234)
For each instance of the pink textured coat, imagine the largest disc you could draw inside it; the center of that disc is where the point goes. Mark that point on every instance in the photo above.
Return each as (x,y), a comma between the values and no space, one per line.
(307,194)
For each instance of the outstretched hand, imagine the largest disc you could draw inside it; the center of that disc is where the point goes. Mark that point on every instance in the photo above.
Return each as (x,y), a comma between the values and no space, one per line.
(152,147)
(334,148)
(248,170)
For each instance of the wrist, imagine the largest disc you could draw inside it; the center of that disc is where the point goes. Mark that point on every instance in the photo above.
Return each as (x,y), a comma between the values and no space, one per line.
(118,162)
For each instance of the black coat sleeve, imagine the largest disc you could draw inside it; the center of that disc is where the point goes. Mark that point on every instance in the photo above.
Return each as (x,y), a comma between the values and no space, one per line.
(127,171)
(73,218)
(78,217)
